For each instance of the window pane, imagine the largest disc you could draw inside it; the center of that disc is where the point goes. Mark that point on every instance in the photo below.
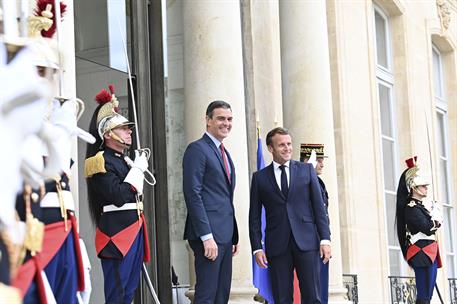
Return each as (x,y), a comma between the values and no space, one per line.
(437,81)
(448,228)
(390,213)
(441,134)
(395,262)
(389,165)
(443,182)
(450,266)
(381,40)
(386,113)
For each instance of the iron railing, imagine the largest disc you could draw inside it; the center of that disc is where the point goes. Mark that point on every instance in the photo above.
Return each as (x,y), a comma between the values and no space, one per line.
(453,290)
(351,284)
(403,290)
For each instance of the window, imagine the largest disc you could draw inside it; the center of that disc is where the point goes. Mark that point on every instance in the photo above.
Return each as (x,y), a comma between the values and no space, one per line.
(385,87)
(443,185)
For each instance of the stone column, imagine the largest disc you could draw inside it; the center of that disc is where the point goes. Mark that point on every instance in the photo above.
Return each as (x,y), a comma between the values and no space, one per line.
(213,69)
(307,103)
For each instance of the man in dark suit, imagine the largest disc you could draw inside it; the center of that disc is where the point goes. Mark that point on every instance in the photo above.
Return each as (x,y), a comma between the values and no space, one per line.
(208,185)
(297,232)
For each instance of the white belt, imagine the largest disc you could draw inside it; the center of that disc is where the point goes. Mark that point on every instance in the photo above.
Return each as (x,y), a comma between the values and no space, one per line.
(421,236)
(51,200)
(128,206)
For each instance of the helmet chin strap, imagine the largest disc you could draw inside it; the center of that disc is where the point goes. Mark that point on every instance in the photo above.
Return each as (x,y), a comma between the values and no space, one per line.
(419,192)
(118,139)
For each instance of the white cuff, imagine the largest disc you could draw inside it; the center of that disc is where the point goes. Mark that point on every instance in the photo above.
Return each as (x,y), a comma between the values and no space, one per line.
(206,237)
(325,242)
(255,251)
(135,178)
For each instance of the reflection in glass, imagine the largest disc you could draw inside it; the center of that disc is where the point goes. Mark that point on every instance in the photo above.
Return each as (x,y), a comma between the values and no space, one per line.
(99,28)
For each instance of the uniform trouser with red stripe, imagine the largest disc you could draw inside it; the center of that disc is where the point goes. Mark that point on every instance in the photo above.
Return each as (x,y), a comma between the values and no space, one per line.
(121,277)
(425,281)
(61,274)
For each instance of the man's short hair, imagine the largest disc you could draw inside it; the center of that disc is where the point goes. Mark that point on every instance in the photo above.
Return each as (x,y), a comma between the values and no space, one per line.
(278,130)
(216,105)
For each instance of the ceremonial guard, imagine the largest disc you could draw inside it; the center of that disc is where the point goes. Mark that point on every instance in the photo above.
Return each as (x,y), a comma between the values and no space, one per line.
(115,187)
(416,228)
(314,154)
(52,270)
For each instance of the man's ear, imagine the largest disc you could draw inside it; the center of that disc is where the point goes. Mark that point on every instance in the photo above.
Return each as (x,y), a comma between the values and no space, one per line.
(107,135)
(270,149)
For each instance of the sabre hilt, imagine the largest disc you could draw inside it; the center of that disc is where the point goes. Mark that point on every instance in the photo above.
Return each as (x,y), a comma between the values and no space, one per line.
(147,173)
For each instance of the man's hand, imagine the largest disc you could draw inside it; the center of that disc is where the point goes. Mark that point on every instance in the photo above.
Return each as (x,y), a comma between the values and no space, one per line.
(235,249)
(326,253)
(210,247)
(261,259)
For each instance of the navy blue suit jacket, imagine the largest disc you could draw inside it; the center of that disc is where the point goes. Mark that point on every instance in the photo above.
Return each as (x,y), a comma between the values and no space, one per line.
(302,214)
(208,193)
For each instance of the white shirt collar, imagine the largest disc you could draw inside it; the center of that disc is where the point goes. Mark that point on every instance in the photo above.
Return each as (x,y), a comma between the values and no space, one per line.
(276,165)
(214,139)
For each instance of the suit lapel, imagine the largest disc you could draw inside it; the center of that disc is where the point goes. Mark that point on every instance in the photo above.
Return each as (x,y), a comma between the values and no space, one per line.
(232,168)
(271,176)
(219,156)
(293,170)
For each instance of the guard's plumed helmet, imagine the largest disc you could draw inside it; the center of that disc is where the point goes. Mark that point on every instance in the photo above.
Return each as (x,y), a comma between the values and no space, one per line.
(41,29)
(108,118)
(413,178)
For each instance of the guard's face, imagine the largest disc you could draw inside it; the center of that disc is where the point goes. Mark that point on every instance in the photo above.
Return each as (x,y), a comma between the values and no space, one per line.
(118,135)
(220,124)
(319,165)
(125,133)
(421,190)
(281,148)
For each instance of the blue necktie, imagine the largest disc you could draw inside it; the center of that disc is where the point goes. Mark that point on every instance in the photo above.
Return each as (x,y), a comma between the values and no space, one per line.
(284,185)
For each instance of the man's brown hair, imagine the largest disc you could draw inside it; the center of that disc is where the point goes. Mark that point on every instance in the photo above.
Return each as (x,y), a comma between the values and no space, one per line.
(278,130)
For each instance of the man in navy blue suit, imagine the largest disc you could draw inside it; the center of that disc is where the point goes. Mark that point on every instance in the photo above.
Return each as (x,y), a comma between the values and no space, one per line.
(297,234)
(208,185)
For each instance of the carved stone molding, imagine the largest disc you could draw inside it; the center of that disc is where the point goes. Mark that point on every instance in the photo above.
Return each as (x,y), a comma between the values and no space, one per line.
(444,12)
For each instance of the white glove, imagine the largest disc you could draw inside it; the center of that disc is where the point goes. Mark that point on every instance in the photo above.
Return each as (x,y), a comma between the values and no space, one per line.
(141,161)
(313,159)
(135,177)
(32,163)
(436,212)
(58,143)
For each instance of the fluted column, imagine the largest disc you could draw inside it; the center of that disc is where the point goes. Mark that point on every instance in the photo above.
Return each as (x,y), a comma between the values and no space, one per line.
(213,70)
(307,103)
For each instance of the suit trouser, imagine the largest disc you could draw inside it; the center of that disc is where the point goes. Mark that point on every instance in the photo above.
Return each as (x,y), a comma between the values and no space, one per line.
(214,278)
(307,266)
(324,282)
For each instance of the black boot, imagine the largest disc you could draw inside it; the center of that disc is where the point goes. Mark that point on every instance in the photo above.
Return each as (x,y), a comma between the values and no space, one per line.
(422,301)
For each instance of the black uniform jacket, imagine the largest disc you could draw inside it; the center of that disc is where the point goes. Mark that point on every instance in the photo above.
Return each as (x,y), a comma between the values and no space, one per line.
(418,219)
(110,189)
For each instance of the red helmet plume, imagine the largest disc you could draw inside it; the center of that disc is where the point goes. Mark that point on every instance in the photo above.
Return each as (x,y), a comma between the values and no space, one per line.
(41,6)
